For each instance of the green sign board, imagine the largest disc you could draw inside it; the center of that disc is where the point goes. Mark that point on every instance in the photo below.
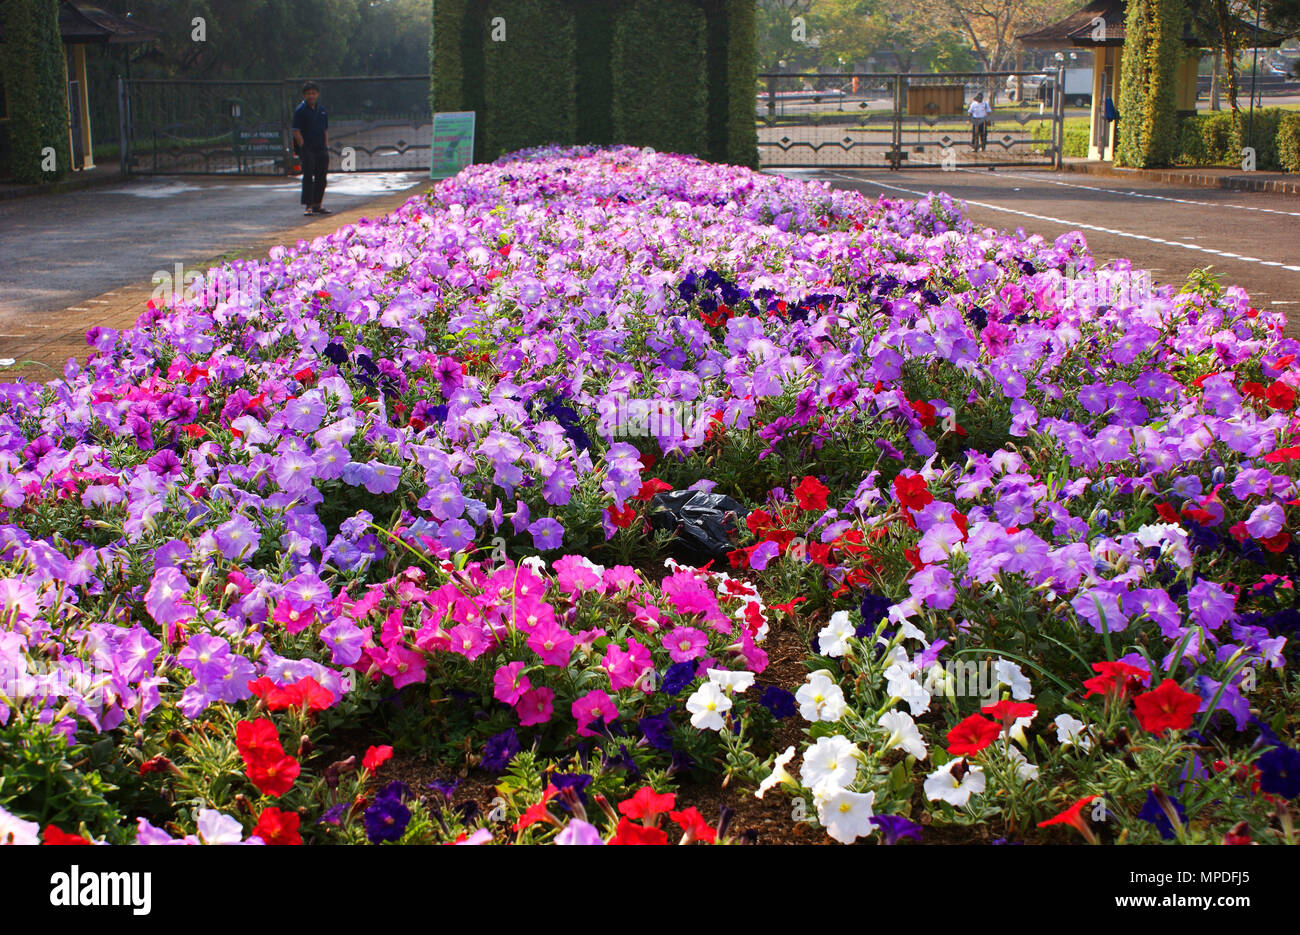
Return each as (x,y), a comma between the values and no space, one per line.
(453,143)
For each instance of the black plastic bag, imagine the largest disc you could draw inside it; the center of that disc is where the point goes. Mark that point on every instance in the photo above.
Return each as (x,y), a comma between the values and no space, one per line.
(705,523)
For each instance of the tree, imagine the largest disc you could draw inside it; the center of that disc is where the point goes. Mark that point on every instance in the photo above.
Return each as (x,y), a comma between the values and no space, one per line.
(991,26)
(778,33)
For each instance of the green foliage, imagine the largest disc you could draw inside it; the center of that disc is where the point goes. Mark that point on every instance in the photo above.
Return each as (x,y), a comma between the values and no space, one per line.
(34,85)
(654,105)
(1152,49)
(528,79)
(46,779)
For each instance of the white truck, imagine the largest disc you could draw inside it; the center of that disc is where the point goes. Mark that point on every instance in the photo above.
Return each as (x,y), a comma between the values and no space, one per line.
(1078,86)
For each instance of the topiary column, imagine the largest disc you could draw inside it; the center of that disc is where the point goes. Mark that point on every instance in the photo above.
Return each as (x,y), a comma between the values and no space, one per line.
(659,71)
(1148,103)
(36,87)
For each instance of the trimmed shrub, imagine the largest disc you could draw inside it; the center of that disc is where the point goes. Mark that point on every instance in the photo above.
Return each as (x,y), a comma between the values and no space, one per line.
(35,87)
(742,75)
(1288,142)
(529,94)
(658,65)
(595,40)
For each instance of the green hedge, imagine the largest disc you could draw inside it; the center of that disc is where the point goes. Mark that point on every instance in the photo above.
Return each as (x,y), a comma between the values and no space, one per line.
(528,79)
(595,40)
(677,75)
(35,87)
(1216,139)
(742,76)
(1152,47)
(654,105)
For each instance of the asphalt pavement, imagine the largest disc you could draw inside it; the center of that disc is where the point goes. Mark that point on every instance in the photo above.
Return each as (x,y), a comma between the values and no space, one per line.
(1251,239)
(57,251)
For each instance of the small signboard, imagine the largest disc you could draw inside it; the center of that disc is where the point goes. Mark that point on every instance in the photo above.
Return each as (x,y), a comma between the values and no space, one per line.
(453,143)
(250,142)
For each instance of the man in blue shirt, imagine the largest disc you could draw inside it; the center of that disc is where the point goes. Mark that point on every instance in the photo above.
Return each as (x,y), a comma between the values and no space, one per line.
(311,142)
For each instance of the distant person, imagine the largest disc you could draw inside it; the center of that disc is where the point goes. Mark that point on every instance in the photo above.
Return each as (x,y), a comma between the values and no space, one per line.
(311,142)
(979,126)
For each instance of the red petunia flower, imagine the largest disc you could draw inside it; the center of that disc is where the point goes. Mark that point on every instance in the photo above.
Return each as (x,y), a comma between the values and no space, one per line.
(1073,816)
(621,519)
(693,825)
(912,491)
(274,777)
(646,804)
(538,811)
(1115,677)
(277,827)
(971,735)
(925,411)
(1280,396)
(1168,513)
(1007,712)
(651,487)
(52,835)
(1276,543)
(811,493)
(631,833)
(376,757)
(1166,706)
(258,740)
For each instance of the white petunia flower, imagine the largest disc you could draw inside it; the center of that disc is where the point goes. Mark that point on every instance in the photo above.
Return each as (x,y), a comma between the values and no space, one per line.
(728,679)
(901,684)
(779,774)
(942,784)
(1009,674)
(1070,730)
(1027,771)
(707,706)
(216,828)
(833,638)
(846,815)
(902,733)
(13,830)
(830,763)
(820,698)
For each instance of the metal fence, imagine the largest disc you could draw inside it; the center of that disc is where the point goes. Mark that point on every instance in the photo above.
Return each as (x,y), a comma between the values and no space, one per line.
(908,120)
(192,127)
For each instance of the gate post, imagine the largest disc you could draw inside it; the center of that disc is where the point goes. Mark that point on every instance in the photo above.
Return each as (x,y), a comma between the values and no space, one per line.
(896,143)
(123,128)
(1058,119)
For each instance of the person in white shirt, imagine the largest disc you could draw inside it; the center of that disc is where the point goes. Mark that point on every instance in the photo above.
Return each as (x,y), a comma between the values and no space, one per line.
(979,128)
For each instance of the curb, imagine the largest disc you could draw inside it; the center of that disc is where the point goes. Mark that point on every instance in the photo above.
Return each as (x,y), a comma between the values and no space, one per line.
(1241,183)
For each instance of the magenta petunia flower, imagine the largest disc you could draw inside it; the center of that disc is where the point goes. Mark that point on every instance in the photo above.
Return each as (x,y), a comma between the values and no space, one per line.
(595,705)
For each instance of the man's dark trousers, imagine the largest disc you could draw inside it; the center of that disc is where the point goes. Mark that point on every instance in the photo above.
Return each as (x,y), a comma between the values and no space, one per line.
(315,162)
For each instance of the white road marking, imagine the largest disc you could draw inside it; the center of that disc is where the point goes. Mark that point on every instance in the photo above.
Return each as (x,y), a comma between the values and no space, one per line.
(1078,224)
(1133,194)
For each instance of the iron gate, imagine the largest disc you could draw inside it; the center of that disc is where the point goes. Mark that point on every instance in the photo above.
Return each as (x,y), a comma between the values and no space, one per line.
(908,120)
(193,127)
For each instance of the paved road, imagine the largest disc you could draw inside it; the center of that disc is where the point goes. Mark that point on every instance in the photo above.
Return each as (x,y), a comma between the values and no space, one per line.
(1251,239)
(59,250)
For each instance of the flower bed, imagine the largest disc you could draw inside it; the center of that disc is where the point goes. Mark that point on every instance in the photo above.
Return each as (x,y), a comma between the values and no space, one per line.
(1031,524)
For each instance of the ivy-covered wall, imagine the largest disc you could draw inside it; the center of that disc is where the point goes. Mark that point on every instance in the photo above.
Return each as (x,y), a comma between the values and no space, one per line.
(677,75)
(36,90)
(1148,102)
